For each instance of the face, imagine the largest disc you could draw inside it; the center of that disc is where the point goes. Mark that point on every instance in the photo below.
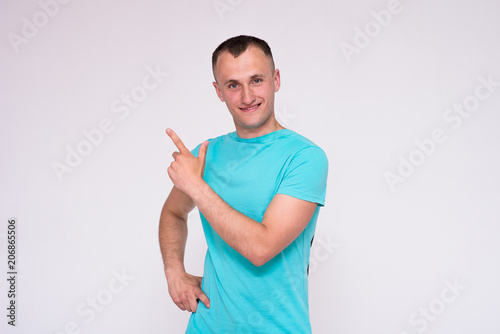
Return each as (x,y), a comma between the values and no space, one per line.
(247,85)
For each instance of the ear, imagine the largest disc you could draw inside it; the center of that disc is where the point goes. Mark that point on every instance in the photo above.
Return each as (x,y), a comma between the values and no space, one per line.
(217,90)
(277,80)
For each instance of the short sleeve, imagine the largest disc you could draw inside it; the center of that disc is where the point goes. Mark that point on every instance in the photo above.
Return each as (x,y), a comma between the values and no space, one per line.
(305,176)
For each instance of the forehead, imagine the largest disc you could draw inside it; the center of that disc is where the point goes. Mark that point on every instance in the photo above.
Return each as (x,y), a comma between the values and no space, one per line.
(247,64)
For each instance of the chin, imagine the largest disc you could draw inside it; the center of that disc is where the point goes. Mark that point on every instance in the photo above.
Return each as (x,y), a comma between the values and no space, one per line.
(253,125)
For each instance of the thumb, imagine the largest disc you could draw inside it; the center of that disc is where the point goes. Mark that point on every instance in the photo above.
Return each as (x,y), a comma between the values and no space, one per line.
(202,152)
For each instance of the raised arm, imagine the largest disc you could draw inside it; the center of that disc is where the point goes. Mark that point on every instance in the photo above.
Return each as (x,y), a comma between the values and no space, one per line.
(285,218)
(184,289)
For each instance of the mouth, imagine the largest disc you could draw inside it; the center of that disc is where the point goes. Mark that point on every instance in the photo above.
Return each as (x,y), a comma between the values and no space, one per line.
(250,108)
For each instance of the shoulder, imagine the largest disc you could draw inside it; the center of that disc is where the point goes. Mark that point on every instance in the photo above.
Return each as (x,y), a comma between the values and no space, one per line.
(221,138)
(302,146)
(215,141)
(305,171)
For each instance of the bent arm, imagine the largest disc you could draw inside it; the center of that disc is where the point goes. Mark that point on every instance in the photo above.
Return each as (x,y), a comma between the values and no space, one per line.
(285,218)
(173,229)
(184,289)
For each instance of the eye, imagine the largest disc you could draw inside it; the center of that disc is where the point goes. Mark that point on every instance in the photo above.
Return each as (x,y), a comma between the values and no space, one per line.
(232,85)
(258,80)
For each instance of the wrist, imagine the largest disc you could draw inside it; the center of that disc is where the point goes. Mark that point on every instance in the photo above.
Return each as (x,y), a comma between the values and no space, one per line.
(198,191)
(171,272)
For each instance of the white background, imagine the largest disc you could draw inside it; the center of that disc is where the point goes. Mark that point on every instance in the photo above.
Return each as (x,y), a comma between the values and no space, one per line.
(382,255)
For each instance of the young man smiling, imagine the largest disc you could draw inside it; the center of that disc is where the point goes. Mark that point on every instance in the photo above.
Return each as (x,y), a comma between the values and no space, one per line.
(258,190)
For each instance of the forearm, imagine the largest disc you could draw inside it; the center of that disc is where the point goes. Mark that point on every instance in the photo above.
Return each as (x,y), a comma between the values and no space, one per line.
(185,289)
(282,222)
(172,237)
(244,234)
(247,236)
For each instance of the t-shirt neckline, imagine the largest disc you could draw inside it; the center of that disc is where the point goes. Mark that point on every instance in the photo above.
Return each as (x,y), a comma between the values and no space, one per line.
(262,139)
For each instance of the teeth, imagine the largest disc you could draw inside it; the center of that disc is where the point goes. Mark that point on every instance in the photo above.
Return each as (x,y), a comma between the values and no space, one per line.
(250,108)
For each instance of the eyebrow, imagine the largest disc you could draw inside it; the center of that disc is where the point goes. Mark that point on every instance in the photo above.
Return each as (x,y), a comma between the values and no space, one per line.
(258,75)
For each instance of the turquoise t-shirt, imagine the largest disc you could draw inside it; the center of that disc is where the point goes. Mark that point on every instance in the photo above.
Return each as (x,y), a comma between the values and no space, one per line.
(246,174)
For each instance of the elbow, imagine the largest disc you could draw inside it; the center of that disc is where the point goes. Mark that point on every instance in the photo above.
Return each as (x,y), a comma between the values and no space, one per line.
(261,257)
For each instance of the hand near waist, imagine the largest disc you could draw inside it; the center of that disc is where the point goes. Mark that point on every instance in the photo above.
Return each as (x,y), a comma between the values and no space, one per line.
(185,290)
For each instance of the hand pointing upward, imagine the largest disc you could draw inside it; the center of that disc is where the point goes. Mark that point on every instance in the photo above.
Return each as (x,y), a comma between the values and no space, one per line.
(186,171)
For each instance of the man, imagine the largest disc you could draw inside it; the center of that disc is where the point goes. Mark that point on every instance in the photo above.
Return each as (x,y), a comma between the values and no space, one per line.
(258,191)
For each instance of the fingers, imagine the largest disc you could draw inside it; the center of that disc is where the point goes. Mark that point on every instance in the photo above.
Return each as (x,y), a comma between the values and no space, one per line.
(204,299)
(201,295)
(181,306)
(202,152)
(177,141)
(191,304)
(186,304)
(187,295)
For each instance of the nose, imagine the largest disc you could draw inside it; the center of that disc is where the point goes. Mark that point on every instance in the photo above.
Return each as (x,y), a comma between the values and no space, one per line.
(247,96)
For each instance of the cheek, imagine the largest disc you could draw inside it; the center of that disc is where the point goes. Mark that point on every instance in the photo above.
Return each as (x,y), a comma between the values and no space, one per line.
(231,97)
(266,91)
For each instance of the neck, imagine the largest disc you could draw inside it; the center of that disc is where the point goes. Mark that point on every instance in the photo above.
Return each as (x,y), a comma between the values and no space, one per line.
(262,130)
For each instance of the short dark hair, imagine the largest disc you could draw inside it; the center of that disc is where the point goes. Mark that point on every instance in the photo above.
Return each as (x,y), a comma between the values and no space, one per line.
(239,44)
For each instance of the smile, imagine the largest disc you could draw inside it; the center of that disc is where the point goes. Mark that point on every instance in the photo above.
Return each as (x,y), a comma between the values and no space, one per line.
(250,108)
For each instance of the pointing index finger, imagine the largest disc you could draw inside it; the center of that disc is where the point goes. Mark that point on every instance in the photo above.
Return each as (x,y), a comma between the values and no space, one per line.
(177,141)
